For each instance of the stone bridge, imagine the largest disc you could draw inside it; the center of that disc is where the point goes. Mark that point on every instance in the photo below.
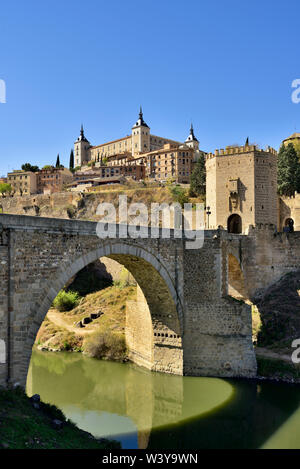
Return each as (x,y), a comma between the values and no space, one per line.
(183,320)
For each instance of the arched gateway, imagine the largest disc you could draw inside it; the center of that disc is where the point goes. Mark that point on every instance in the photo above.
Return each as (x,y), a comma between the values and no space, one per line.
(181,322)
(234,224)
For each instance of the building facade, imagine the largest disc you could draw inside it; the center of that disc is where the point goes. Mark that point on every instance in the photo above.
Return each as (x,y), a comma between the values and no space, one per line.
(22,182)
(161,156)
(52,180)
(241,187)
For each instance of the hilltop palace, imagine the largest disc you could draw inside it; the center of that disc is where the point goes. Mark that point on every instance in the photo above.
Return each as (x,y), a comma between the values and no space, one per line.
(148,155)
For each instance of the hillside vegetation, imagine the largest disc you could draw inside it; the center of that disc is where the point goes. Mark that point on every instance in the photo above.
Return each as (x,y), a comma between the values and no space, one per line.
(73,205)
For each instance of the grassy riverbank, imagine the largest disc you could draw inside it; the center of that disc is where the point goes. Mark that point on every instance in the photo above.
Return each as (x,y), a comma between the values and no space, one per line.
(60,331)
(22,426)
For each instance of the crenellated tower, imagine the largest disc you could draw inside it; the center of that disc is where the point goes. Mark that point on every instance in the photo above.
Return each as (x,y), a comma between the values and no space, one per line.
(241,184)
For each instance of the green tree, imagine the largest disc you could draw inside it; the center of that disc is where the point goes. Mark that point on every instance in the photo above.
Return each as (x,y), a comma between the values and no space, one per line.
(29,167)
(288,171)
(57,162)
(198,178)
(71,164)
(47,166)
(5,189)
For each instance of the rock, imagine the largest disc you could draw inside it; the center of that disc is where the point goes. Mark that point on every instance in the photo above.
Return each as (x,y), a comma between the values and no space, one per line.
(94,316)
(57,424)
(36,398)
(87,320)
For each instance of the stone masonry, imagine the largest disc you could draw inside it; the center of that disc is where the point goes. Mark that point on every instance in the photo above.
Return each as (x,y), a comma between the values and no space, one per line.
(182,321)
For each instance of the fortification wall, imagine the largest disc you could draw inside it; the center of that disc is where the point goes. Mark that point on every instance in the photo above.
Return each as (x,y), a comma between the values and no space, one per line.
(265,255)
(289,207)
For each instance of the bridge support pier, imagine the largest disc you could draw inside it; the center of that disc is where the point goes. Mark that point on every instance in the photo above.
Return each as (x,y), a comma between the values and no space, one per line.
(217,328)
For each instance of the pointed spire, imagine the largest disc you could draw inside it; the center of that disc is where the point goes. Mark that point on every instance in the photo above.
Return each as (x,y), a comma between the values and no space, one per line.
(192,130)
(191,137)
(140,120)
(82,136)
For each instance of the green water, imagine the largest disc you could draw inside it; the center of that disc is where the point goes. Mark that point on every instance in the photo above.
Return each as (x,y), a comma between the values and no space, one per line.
(155,411)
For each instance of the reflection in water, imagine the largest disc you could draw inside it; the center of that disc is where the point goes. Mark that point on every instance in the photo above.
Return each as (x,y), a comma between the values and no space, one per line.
(154,410)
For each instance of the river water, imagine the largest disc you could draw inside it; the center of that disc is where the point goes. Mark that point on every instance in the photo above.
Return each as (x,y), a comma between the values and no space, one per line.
(142,409)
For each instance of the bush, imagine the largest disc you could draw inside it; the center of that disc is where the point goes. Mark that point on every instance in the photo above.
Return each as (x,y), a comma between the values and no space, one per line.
(179,195)
(66,300)
(108,345)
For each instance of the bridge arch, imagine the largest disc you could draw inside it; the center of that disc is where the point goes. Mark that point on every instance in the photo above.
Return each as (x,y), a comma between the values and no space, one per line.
(164,306)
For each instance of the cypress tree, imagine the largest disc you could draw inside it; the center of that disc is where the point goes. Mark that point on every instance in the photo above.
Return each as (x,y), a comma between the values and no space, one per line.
(288,171)
(71,165)
(57,162)
(198,178)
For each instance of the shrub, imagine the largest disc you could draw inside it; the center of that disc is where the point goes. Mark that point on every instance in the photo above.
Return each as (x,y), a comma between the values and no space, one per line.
(108,345)
(66,300)
(179,195)
(71,211)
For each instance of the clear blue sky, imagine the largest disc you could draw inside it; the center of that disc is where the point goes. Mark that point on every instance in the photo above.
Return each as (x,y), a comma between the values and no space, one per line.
(228,66)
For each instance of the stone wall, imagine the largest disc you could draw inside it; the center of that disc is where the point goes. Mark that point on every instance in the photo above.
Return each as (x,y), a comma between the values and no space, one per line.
(139,331)
(217,340)
(289,207)
(264,256)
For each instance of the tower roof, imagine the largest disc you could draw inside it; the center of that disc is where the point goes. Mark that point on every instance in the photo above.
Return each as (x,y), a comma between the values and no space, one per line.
(191,137)
(140,121)
(294,136)
(81,137)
